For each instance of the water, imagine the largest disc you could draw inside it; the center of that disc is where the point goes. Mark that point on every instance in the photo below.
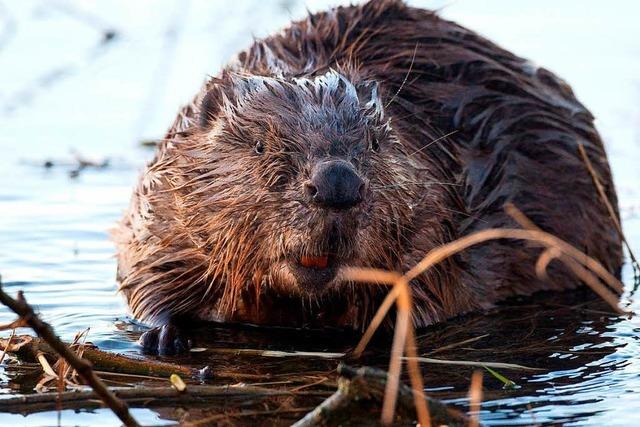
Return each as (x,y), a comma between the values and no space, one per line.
(94,79)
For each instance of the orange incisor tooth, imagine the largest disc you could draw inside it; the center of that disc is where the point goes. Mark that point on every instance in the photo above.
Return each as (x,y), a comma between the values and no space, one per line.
(314,261)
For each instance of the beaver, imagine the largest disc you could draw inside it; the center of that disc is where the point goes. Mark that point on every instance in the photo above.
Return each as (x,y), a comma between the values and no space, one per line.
(361,136)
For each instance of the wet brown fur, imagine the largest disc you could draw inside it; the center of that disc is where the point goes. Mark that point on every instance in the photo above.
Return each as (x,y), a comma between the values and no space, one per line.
(212,221)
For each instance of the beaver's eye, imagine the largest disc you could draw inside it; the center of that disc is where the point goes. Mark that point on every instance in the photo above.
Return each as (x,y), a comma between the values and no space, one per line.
(375,145)
(259,147)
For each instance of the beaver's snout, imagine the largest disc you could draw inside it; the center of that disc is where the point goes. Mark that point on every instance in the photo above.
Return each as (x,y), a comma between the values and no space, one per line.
(337,189)
(335,184)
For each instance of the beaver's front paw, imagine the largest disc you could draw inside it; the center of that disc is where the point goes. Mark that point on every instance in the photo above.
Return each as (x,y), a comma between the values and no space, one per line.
(165,340)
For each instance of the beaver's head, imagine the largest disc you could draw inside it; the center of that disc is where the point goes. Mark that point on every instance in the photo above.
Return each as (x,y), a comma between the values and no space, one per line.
(289,180)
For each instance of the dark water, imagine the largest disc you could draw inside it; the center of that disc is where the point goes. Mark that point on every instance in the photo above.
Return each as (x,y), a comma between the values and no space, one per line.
(93,80)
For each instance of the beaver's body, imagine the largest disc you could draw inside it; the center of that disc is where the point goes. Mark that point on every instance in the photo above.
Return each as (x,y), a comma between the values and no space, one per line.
(362,136)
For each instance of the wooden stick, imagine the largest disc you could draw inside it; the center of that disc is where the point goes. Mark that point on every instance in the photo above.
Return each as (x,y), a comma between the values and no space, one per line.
(82,366)
(330,407)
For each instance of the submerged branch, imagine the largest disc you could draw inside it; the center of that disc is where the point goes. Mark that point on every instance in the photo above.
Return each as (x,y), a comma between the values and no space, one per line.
(27,348)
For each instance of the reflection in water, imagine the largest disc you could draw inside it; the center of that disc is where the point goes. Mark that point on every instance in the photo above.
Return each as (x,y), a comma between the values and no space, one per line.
(88,92)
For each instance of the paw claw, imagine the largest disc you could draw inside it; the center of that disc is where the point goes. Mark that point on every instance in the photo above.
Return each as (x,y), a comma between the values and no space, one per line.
(165,340)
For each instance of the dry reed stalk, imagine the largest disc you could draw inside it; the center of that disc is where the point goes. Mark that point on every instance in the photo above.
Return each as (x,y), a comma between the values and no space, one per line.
(404,337)
(586,269)
(6,347)
(480,364)
(46,367)
(415,375)
(582,273)
(18,323)
(388,301)
(395,364)
(62,373)
(543,238)
(543,262)
(603,196)
(457,344)
(475,398)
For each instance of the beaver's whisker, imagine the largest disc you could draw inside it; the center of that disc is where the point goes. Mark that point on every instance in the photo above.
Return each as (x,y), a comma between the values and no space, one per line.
(404,81)
(429,144)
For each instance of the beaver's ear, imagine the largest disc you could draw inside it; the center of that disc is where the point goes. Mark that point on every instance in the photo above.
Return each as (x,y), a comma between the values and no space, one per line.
(230,92)
(369,96)
(211,105)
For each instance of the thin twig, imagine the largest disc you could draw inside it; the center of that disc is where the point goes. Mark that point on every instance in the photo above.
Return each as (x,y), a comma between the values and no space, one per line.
(404,338)
(403,317)
(277,353)
(83,367)
(18,323)
(417,384)
(27,347)
(388,301)
(457,344)
(475,398)
(497,365)
(574,262)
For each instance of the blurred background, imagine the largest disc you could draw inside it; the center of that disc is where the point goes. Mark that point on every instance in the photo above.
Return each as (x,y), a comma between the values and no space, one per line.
(83,84)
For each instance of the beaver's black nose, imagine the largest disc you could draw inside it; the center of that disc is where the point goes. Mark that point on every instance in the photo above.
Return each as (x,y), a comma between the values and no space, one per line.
(335,184)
